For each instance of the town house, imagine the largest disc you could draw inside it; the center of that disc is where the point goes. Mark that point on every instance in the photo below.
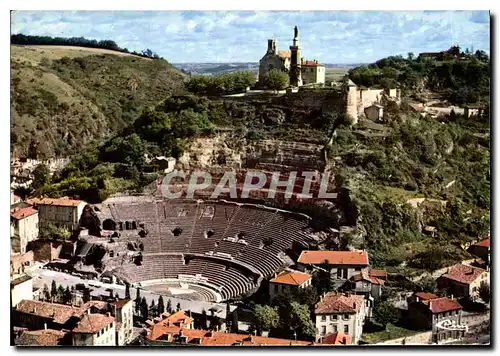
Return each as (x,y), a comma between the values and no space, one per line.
(441,315)
(464,280)
(340,312)
(288,283)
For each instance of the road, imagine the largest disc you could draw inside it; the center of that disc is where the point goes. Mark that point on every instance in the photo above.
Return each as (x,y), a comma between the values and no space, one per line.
(45,276)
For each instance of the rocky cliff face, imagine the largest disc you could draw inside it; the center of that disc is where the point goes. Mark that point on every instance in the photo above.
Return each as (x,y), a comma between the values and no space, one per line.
(230,150)
(276,133)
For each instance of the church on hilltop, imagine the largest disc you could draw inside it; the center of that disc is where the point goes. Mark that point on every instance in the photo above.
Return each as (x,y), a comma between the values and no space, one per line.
(301,72)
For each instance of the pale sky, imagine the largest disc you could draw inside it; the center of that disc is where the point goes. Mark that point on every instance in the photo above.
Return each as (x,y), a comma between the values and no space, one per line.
(241,36)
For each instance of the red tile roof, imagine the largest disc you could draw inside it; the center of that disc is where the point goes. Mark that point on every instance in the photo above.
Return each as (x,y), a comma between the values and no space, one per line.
(21,213)
(337,338)
(333,303)
(64,201)
(441,305)
(356,258)
(292,278)
(214,338)
(463,273)
(44,337)
(425,295)
(483,243)
(93,323)
(59,313)
(307,63)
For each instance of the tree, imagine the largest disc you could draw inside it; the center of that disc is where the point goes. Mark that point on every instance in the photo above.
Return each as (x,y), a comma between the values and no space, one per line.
(178,307)
(86,295)
(322,279)
(144,308)
(410,56)
(137,300)
(484,292)
(299,321)
(277,79)
(127,291)
(52,232)
(234,321)
(53,290)
(385,313)
(67,296)
(265,318)
(204,319)
(46,292)
(161,305)
(41,176)
(152,308)
(428,284)
(169,306)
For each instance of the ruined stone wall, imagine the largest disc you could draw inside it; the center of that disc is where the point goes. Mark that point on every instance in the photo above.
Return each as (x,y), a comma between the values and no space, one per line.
(416,339)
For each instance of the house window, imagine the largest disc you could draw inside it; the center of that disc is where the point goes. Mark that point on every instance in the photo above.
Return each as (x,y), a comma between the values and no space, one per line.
(323,330)
(339,273)
(334,327)
(346,329)
(333,317)
(323,317)
(346,316)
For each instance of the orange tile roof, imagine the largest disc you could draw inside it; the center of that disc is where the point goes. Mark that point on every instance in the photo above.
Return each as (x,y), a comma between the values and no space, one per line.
(64,201)
(21,213)
(336,303)
(440,305)
(425,295)
(214,338)
(284,54)
(59,313)
(292,278)
(177,319)
(463,273)
(46,337)
(337,338)
(483,243)
(357,258)
(93,323)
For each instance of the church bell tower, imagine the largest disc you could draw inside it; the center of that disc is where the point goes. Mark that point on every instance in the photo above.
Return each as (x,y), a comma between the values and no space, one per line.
(295,61)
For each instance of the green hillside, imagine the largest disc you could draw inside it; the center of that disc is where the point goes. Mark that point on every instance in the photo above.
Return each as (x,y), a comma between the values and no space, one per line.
(64,99)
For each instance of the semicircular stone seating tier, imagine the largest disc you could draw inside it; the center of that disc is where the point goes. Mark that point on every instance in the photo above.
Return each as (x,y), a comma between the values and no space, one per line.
(237,240)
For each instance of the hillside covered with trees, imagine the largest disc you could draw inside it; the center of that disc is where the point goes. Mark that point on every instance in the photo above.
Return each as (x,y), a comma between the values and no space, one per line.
(64,100)
(460,77)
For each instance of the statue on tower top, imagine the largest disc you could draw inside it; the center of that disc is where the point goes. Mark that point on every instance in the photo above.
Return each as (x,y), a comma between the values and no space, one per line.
(296,32)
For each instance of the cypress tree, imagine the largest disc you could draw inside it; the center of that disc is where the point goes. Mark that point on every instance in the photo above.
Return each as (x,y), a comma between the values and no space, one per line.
(53,290)
(169,307)
(144,308)
(127,291)
(161,305)
(46,293)
(178,307)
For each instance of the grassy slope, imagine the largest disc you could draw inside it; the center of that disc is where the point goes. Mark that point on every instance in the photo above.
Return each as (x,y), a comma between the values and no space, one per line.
(66,98)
